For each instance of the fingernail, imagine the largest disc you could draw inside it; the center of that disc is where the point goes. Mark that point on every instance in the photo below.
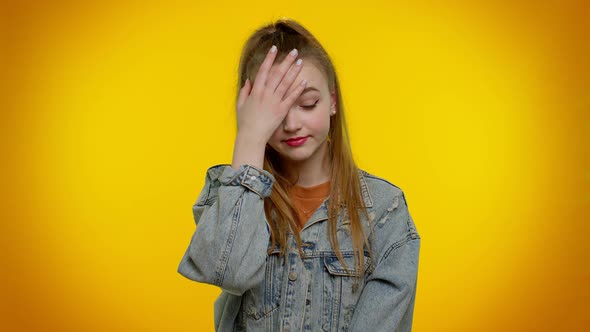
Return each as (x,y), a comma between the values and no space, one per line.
(294,52)
(298,62)
(273,49)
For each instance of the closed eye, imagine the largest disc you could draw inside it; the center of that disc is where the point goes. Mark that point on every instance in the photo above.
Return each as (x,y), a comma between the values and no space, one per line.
(309,107)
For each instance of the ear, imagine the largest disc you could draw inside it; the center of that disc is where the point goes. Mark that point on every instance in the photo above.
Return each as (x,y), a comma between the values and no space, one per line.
(333,101)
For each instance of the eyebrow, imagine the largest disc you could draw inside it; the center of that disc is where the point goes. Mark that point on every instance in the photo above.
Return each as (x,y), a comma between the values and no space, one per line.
(309,88)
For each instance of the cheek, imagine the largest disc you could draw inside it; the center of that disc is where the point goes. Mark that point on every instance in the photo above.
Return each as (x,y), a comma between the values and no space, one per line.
(319,127)
(276,135)
(275,139)
(320,123)
(316,123)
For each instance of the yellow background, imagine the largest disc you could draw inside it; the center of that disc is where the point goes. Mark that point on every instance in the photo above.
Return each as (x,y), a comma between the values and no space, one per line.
(114,111)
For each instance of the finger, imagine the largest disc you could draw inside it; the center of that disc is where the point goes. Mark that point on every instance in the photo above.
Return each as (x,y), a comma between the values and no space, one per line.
(244,92)
(260,79)
(289,78)
(294,95)
(277,76)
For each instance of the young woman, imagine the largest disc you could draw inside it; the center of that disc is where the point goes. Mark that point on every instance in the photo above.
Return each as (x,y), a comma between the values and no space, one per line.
(293,232)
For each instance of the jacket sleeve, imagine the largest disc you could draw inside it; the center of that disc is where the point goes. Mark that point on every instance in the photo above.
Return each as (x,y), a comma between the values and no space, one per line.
(228,247)
(387,300)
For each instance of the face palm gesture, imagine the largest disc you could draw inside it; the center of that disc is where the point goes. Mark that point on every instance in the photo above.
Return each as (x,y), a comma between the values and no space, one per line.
(262,107)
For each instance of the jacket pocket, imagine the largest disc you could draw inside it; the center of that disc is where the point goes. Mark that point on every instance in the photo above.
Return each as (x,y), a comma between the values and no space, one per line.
(340,293)
(261,301)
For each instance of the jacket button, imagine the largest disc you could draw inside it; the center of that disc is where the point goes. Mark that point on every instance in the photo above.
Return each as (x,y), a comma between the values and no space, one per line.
(252,177)
(292,276)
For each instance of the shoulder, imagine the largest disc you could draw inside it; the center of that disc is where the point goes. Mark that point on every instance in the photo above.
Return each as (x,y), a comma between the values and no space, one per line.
(391,222)
(382,191)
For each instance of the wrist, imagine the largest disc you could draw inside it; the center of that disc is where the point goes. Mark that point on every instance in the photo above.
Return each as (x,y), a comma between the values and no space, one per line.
(250,140)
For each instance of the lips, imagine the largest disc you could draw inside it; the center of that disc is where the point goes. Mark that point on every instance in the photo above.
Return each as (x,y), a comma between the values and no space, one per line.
(296,141)
(296,138)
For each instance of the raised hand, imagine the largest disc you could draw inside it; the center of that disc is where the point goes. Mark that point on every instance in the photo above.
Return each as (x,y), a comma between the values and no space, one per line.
(261,108)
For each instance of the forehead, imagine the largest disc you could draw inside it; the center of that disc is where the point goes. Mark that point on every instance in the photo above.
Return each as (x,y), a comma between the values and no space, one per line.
(314,76)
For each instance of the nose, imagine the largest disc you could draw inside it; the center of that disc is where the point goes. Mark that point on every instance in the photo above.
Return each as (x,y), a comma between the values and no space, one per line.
(291,122)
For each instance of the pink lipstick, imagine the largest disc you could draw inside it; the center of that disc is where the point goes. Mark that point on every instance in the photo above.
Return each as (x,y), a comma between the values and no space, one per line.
(296,141)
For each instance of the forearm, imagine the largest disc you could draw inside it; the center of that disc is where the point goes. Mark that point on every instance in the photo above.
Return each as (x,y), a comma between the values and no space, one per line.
(228,248)
(387,300)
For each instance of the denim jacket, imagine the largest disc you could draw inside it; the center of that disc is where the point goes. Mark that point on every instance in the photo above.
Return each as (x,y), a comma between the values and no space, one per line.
(262,292)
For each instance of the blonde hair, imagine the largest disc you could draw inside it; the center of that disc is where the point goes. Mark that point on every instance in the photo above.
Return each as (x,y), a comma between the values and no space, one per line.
(287,34)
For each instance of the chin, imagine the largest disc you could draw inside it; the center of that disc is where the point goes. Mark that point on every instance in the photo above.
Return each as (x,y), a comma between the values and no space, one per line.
(299,155)
(296,158)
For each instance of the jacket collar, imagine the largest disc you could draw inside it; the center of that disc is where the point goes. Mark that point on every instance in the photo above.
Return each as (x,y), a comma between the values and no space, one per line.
(322,212)
(365,191)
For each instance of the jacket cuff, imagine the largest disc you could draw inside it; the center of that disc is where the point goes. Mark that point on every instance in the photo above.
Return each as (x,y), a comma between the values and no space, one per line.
(257,180)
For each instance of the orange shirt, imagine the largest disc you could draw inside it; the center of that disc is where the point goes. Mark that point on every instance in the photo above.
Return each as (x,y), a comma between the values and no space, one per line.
(308,199)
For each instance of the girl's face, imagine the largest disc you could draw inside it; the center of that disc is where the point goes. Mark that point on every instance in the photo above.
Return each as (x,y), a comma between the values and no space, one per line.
(308,117)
